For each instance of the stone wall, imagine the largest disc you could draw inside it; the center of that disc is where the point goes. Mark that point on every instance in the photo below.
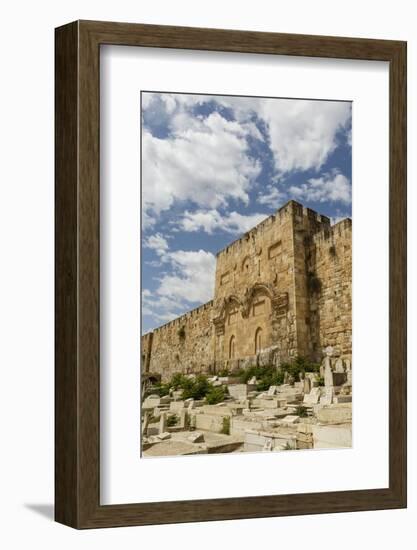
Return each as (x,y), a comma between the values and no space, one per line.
(146,351)
(283,289)
(261,296)
(183,345)
(330,262)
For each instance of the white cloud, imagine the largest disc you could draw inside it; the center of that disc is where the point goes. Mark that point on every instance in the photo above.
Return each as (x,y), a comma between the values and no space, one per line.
(211,220)
(190,281)
(339,216)
(205,162)
(158,243)
(302,133)
(160,308)
(273,197)
(331,187)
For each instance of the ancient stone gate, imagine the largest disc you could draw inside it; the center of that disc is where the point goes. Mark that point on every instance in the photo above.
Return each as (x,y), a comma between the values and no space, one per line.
(283,289)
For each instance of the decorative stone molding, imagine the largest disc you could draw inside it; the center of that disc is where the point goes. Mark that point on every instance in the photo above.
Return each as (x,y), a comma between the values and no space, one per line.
(220,318)
(279,304)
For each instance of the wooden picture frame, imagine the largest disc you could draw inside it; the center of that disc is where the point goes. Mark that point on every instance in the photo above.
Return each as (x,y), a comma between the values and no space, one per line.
(77,374)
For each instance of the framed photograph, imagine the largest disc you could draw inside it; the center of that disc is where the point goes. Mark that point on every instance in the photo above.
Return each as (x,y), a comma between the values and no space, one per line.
(230,274)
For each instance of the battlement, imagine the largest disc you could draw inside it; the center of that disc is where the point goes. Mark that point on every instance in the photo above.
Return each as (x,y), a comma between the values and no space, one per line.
(342,228)
(185,317)
(290,210)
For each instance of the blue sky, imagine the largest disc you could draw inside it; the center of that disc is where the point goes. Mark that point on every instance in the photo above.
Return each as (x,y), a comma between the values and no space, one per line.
(215,166)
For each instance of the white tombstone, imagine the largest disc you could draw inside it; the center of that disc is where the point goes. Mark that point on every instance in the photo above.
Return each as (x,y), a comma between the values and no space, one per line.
(329,351)
(339,367)
(328,374)
(313,397)
(163,423)
(183,418)
(349,377)
(327,396)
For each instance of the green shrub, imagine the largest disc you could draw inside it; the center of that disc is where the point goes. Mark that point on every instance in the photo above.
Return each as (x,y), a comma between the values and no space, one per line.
(159,389)
(215,395)
(266,376)
(196,388)
(298,366)
(172,420)
(301,411)
(320,380)
(224,372)
(178,381)
(269,375)
(225,425)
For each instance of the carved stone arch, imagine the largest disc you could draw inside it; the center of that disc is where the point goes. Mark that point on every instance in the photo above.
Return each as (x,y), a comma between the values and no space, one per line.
(226,304)
(258,289)
(258,339)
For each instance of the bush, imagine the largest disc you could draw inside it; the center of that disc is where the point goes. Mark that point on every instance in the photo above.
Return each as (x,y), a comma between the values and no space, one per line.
(269,375)
(178,381)
(300,365)
(215,395)
(159,389)
(225,425)
(320,380)
(266,376)
(172,420)
(196,388)
(301,411)
(224,372)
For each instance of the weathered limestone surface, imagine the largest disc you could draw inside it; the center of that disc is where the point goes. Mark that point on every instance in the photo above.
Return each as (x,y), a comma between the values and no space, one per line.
(283,289)
(331,308)
(335,414)
(183,345)
(332,437)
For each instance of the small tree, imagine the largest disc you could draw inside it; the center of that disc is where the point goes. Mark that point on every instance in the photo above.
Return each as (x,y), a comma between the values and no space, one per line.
(215,395)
